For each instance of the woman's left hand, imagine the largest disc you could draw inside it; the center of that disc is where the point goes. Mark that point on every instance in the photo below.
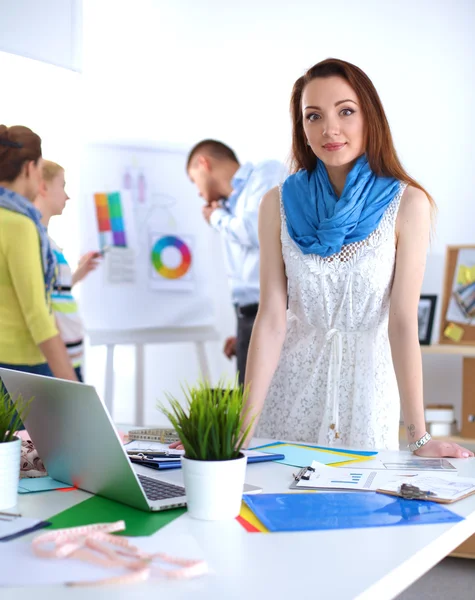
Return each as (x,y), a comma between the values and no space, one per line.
(439,449)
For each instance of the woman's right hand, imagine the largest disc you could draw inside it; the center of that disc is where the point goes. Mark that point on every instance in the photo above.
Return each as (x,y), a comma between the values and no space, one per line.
(176,446)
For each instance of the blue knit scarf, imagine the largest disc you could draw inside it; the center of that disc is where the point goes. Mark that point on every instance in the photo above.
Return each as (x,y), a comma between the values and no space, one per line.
(321,223)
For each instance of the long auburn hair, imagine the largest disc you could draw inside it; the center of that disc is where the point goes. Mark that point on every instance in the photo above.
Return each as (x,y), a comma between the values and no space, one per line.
(379,146)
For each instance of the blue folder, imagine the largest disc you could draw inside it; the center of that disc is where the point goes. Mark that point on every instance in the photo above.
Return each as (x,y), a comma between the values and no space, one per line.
(156,463)
(264,458)
(324,511)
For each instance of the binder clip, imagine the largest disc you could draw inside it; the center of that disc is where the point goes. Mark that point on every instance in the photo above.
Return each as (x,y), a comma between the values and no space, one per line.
(304,473)
(412,492)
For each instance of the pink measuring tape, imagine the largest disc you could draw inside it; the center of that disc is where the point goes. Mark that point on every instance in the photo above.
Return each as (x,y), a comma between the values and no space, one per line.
(95,544)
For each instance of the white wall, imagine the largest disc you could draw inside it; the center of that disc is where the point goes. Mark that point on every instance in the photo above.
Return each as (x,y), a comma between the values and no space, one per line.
(46,99)
(49,31)
(182,70)
(185,70)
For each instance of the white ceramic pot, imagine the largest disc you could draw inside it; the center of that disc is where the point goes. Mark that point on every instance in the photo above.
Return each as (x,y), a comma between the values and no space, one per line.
(214,487)
(10,453)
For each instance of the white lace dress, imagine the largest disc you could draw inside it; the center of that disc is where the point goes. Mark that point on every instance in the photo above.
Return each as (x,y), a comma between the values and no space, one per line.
(335,381)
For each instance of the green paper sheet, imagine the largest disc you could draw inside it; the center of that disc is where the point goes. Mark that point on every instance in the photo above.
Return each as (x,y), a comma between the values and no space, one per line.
(101,510)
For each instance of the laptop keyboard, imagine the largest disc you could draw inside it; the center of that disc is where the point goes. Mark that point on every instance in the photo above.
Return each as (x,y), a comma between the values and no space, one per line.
(159,490)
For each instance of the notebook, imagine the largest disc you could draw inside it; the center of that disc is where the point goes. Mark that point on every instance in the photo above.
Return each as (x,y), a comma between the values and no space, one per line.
(159,456)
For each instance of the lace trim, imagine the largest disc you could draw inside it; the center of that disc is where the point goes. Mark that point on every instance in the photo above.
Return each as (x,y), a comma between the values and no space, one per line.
(350,254)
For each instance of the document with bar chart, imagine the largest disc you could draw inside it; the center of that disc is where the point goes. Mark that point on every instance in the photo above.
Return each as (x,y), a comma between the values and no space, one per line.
(320,476)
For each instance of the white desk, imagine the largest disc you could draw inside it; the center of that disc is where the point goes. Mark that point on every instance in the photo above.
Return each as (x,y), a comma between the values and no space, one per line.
(356,564)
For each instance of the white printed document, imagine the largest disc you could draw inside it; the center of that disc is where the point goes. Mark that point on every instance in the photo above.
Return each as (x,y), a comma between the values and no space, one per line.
(320,476)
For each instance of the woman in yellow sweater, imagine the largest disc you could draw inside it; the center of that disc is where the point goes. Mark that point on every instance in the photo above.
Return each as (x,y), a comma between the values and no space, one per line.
(29,340)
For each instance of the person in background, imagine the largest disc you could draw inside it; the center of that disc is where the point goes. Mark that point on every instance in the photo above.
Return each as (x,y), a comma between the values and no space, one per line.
(51,201)
(335,347)
(29,339)
(232,193)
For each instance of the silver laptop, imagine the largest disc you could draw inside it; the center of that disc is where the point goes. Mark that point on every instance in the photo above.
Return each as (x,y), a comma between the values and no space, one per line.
(79,445)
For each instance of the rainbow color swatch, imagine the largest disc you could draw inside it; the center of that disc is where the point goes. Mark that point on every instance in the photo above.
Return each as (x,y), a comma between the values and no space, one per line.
(110,219)
(157,261)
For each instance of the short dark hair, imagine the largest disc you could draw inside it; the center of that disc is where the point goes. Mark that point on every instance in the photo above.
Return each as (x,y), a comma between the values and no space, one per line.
(213,148)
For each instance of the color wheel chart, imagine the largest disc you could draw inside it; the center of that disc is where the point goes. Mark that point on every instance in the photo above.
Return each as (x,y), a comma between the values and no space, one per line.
(110,219)
(182,256)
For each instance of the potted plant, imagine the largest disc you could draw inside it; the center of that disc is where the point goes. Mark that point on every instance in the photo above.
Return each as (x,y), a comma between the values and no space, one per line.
(11,415)
(211,427)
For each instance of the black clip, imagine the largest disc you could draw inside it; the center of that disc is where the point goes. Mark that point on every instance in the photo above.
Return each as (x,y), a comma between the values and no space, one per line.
(412,492)
(302,474)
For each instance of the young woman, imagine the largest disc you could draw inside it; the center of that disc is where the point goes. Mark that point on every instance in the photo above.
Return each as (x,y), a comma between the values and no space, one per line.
(51,201)
(344,242)
(29,340)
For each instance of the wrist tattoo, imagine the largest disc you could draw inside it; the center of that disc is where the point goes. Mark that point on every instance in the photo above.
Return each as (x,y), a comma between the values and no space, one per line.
(411,430)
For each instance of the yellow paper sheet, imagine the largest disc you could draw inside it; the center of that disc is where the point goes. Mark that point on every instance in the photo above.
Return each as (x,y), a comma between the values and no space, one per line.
(454,332)
(247,514)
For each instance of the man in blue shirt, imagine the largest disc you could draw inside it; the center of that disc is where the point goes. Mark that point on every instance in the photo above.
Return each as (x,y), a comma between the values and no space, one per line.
(232,193)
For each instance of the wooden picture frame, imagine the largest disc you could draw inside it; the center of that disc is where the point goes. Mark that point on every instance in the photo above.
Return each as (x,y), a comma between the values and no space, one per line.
(451,260)
(425,318)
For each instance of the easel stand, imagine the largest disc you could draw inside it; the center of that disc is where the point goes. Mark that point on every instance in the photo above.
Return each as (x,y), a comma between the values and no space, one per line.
(140,338)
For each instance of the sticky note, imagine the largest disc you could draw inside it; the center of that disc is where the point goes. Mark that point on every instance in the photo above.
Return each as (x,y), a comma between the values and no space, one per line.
(465,275)
(454,332)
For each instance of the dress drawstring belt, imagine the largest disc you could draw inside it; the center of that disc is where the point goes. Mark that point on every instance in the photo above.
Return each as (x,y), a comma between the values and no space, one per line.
(334,336)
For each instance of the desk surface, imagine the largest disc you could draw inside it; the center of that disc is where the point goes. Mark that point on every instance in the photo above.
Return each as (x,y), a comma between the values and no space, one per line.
(364,564)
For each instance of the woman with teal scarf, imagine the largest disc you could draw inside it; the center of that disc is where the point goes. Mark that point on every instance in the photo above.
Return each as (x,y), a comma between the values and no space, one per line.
(29,339)
(334,352)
